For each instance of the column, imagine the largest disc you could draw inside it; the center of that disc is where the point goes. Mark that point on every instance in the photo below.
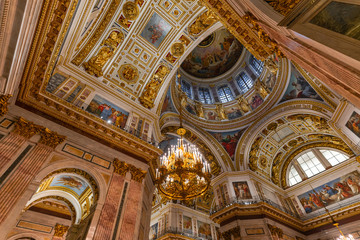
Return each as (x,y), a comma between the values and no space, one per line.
(195,91)
(111,206)
(132,209)
(234,87)
(214,93)
(10,144)
(59,231)
(14,187)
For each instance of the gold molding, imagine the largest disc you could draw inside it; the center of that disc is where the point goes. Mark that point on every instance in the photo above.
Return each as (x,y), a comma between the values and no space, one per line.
(4,103)
(282,6)
(60,230)
(121,168)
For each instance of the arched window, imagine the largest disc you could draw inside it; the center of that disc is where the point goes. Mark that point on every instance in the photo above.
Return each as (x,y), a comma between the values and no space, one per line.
(244,82)
(312,162)
(186,88)
(256,64)
(225,94)
(204,95)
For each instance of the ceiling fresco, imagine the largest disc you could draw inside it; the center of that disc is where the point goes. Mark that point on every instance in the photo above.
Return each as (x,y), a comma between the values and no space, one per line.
(72,183)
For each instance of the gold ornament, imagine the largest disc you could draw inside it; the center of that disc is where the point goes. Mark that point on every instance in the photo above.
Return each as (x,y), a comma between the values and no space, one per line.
(120,167)
(283,6)
(50,138)
(4,102)
(243,104)
(220,112)
(203,22)
(199,109)
(130,10)
(26,129)
(137,174)
(128,73)
(275,231)
(60,230)
(177,49)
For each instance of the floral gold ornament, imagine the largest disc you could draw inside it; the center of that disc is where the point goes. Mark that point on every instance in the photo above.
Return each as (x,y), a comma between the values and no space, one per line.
(177,49)
(203,22)
(60,230)
(4,102)
(130,10)
(128,73)
(283,6)
(50,138)
(137,174)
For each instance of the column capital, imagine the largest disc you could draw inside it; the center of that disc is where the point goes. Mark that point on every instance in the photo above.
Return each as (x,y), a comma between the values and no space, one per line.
(26,128)
(120,167)
(60,230)
(51,138)
(4,102)
(137,174)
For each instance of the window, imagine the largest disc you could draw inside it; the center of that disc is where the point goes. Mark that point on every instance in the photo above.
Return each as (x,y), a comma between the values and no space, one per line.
(294,176)
(204,96)
(334,157)
(310,164)
(244,82)
(186,88)
(256,64)
(225,94)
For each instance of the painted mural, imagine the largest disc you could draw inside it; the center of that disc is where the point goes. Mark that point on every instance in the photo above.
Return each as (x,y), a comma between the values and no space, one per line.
(242,190)
(204,229)
(298,87)
(187,224)
(346,21)
(108,111)
(233,112)
(256,101)
(156,30)
(214,56)
(331,192)
(55,81)
(71,182)
(168,105)
(228,140)
(153,231)
(353,124)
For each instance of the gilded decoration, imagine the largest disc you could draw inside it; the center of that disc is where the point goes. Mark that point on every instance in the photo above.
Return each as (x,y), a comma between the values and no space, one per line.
(96,63)
(60,230)
(202,23)
(121,168)
(275,231)
(4,102)
(177,49)
(104,22)
(282,6)
(26,129)
(128,73)
(50,138)
(151,90)
(79,172)
(244,104)
(235,232)
(137,174)
(130,10)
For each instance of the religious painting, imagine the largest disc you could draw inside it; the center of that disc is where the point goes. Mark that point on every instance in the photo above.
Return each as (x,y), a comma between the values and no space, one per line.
(167,106)
(187,224)
(153,231)
(242,190)
(108,111)
(233,112)
(210,115)
(256,101)
(298,87)
(340,17)
(331,192)
(156,30)
(204,229)
(228,140)
(71,182)
(190,108)
(270,81)
(354,124)
(214,56)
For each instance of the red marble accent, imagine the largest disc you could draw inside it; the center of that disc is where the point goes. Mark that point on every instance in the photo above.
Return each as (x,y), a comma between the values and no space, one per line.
(15,186)
(9,145)
(341,78)
(109,211)
(131,211)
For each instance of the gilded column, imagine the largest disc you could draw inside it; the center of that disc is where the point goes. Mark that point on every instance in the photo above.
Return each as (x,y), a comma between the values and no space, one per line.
(14,187)
(59,231)
(10,144)
(109,212)
(132,209)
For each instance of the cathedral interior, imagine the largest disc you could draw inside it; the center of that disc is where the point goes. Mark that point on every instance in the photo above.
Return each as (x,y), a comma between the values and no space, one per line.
(179,119)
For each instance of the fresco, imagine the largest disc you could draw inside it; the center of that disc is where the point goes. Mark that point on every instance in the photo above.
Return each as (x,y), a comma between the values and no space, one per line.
(346,21)
(233,112)
(298,87)
(55,81)
(168,105)
(68,181)
(331,192)
(210,114)
(354,124)
(187,224)
(153,231)
(108,111)
(213,57)
(228,140)
(256,101)
(242,190)
(156,30)
(204,229)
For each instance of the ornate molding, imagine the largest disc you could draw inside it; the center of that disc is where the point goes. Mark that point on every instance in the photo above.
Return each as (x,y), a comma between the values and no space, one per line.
(202,23)
(253,38)
(50,138)
(231,232)
(137,174)
(26,129)
(60,230)
(275,231)
(282,6)
(120,167)
(4,102)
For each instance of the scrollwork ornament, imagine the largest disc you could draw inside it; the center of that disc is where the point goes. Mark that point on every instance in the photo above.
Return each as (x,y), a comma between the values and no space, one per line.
(4,102)
(60,230)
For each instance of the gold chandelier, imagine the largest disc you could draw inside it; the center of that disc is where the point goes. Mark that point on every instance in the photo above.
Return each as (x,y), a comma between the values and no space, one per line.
(183,173)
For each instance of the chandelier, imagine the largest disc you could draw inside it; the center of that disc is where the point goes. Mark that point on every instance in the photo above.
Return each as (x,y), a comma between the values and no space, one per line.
(183,173)
(342,236)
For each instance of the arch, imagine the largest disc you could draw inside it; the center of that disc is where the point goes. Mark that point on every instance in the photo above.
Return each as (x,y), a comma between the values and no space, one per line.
(25,235)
